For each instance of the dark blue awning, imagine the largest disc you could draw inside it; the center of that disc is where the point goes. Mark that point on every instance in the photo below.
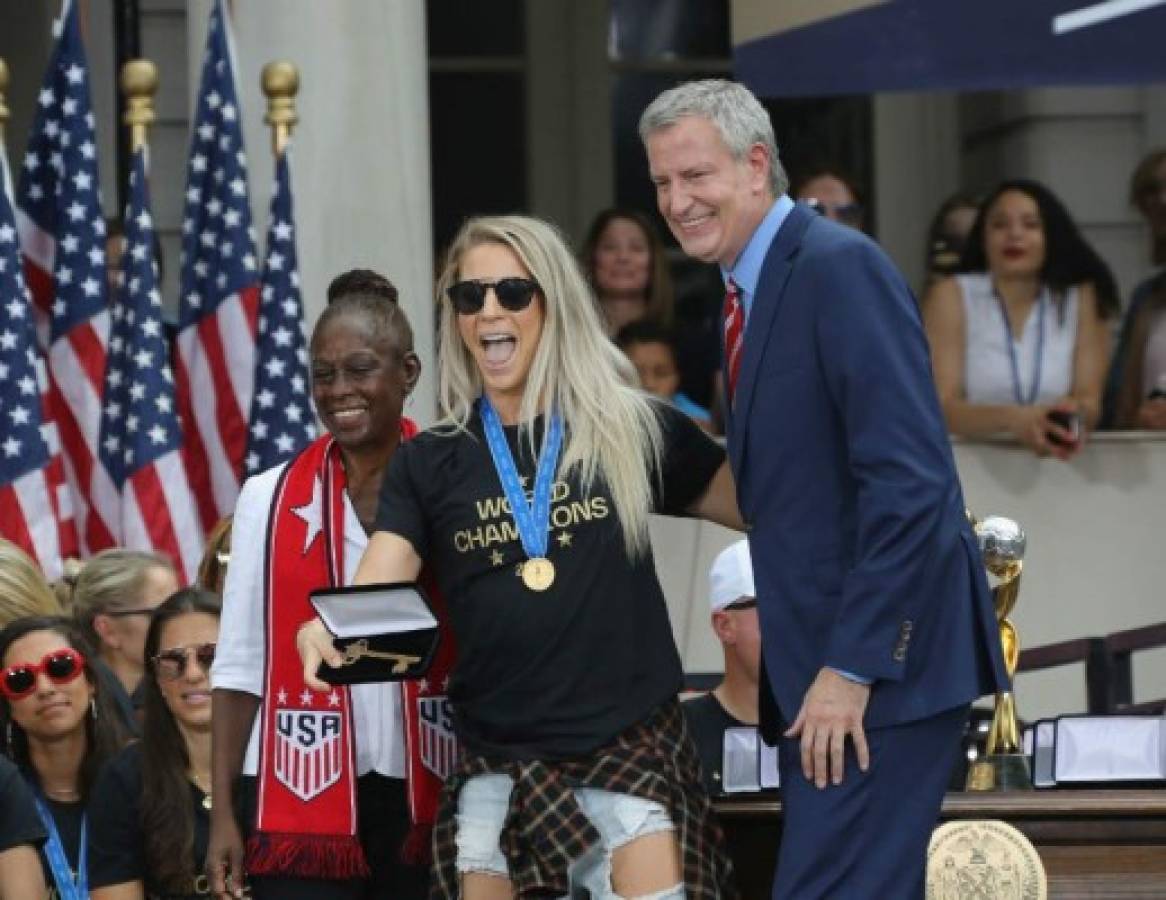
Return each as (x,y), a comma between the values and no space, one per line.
(960,45)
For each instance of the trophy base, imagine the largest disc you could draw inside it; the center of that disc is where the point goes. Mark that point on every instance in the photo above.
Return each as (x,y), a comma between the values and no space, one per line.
(1000,772)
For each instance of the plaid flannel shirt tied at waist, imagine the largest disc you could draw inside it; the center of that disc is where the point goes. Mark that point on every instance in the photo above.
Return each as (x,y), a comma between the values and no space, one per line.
(545,830)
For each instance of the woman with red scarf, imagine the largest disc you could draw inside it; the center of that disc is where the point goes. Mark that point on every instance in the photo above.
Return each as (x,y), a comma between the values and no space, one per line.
(325,806)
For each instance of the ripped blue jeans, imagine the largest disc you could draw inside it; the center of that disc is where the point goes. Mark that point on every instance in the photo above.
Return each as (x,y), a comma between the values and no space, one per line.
(619,819)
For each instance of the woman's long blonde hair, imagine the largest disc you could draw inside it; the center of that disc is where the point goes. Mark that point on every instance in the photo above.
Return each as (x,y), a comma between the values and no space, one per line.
(24,591)
(612,429)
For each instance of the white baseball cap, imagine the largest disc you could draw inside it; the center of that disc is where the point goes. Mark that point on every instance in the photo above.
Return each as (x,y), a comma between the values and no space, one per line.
(731,576)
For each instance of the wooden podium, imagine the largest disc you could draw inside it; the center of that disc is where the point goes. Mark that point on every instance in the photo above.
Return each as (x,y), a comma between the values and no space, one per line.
(1093,843)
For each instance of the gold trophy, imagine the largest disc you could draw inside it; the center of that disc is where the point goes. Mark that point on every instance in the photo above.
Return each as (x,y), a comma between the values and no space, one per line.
(1004,767)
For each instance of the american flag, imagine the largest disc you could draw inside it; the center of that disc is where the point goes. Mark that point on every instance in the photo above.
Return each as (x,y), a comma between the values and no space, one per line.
(27,514)
(282,419)
(62,236)
(220,288)
(141,440)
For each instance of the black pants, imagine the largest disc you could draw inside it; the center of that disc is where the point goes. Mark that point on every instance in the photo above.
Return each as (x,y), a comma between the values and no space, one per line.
(382,824)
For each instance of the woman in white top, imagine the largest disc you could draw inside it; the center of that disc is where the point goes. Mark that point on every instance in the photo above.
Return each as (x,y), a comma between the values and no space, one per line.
(363,368)
(1019,340)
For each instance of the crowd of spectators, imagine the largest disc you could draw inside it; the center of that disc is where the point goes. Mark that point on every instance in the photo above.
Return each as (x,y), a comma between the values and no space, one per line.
(1023,315)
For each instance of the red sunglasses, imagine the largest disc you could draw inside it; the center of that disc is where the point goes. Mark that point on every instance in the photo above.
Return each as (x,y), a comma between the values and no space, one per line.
(61,666)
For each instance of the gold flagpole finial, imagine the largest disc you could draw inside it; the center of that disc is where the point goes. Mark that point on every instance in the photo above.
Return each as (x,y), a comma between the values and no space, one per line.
(139,83)
(281,83)
(3,96)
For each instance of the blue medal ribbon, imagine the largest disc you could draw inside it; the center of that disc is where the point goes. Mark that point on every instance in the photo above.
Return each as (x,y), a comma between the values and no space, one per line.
(1034,387)
(532,520)
(68,888)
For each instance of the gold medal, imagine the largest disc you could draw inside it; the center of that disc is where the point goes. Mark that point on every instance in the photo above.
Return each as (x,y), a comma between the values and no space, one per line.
(538,574)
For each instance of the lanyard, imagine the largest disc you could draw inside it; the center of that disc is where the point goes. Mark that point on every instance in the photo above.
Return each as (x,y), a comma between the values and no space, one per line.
(532,520)
(1038,361)
(67,887)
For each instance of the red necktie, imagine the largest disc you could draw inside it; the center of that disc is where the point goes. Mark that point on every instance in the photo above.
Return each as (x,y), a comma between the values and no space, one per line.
(734,316)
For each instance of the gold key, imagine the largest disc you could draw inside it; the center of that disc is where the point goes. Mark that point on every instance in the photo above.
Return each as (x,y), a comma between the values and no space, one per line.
(358,650)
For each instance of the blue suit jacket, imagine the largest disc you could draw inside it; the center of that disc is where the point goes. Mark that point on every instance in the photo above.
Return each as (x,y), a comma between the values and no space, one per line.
(862,555)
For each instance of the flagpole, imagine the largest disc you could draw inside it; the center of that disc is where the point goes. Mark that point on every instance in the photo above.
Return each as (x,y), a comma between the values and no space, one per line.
(281,420)
(281,83)
(139,83)
(127,45)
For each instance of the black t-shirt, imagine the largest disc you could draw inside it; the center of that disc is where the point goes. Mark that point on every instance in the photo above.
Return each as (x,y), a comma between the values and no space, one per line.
(117,851)
(707,721)
(552,674)
(127,706)
(69,818)
(19,822)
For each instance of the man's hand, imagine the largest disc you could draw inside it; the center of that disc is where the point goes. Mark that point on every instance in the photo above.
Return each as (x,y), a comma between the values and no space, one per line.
(315,645)
(832,709)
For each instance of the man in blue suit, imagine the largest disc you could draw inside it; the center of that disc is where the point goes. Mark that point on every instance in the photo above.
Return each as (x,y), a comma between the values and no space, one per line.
(877,624)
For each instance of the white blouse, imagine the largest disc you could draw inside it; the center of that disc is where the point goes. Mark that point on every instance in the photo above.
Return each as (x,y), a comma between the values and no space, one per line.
(239,657)
(1044,353)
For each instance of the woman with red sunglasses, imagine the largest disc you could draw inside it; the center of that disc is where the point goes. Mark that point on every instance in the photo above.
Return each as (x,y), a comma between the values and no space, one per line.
(58,727)
(150,809)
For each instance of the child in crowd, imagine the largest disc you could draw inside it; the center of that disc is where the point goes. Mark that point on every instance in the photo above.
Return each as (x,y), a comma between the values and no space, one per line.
(652,351)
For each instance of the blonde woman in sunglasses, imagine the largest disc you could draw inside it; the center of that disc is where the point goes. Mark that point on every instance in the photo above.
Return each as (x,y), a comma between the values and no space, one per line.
(150,810)
(530,503)
(115,593)
(58,727)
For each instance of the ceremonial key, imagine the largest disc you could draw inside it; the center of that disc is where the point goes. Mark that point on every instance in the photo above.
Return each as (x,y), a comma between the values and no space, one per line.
(359,650)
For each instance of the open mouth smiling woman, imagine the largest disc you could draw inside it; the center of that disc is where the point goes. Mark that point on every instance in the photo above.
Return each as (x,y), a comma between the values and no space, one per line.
(530,503)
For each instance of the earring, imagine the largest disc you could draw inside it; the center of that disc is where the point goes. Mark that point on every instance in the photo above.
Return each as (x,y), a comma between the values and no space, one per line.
(93,708)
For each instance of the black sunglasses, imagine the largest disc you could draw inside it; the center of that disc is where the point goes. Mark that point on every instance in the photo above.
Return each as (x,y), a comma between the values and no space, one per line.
(170,664)
(123,613)
(514,294)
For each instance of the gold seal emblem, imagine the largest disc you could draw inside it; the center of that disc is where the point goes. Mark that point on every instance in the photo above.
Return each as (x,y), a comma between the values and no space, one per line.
(538,574)
(985,859)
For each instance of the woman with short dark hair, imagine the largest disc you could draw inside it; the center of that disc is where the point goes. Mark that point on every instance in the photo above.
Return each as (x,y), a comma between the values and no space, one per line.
(350,838)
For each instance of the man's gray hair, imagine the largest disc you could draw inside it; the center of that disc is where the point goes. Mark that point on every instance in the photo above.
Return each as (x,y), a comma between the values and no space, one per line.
(741,120)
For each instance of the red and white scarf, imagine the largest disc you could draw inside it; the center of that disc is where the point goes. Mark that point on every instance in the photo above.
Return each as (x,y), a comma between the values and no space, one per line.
(307,823)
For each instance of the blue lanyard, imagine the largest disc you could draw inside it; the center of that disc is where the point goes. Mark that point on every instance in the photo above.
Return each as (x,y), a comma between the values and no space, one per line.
(532,520)
(67,887)
(1038,362)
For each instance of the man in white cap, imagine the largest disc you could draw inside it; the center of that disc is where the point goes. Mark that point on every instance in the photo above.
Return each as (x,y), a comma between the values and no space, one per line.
(733,703)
